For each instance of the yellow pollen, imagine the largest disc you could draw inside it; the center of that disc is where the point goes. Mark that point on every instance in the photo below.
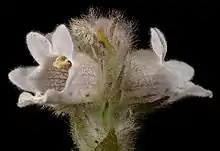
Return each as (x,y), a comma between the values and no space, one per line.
(62,62)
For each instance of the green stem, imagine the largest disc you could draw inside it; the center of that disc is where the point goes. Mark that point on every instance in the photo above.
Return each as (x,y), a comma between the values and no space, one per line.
(91,137)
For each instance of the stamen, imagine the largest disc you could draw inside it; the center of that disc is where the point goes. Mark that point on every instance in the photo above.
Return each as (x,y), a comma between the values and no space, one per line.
(62,62)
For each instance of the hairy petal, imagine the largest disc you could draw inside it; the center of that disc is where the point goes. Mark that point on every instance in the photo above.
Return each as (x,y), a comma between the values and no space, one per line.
(49,36)
(159,44)
(62,42)
(82,77)
(50,97)
(182,70)
(39,46)
(191,90)
(20,78)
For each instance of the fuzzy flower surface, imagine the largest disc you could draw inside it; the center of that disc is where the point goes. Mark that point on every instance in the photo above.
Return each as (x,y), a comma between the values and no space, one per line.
(152,79)
(65,75)
(62,75)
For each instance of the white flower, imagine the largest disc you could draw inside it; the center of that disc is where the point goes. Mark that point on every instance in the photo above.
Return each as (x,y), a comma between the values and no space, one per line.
(154,79)
(63,75)
(178,73)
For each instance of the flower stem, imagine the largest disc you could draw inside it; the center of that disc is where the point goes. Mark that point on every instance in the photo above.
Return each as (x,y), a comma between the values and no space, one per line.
(89,136)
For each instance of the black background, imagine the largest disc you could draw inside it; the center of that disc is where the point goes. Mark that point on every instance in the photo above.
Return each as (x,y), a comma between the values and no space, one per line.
(192,33)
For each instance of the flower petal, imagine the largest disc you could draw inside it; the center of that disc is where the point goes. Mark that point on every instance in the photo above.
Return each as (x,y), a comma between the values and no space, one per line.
(158,43)
(30,79)
(82,79)
(62,42)
(191,90)
(51,97)
(25,100)
(49,36)
(182,70)
(39,46)
(20,78)
(196,90)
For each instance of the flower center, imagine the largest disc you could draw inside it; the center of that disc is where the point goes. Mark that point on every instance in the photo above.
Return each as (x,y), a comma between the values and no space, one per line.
(58,74)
